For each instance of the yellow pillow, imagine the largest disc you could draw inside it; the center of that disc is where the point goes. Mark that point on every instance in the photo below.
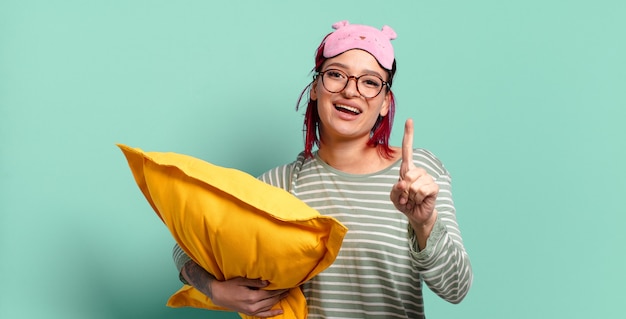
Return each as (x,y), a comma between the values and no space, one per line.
(235,225)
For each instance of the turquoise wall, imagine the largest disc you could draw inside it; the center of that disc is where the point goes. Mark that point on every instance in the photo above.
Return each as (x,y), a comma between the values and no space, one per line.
(523,100)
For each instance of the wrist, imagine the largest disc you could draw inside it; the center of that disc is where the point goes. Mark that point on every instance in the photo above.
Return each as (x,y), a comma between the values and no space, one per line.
(199,278)
(419,226)
(423,229)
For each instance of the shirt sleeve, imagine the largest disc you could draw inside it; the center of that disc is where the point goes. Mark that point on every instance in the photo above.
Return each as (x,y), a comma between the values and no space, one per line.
(180,259)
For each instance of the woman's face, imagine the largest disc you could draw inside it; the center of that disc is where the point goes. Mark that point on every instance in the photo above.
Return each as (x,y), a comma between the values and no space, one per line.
(347,115)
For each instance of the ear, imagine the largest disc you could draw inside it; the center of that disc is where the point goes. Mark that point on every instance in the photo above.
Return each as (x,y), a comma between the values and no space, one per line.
(384,110)
(313,91)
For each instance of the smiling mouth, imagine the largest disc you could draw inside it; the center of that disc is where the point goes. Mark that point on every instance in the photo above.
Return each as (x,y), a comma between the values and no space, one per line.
(347,109)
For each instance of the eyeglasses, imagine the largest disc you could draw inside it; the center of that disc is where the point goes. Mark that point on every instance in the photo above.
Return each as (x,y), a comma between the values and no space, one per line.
(369,86)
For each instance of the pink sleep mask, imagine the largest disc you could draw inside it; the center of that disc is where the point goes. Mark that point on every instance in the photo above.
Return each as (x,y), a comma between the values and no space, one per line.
(355,36)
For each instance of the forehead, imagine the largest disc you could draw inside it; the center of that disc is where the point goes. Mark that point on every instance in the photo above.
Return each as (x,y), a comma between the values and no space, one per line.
(356,61)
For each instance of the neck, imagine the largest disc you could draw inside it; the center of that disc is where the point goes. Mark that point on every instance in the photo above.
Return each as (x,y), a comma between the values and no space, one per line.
(354,158)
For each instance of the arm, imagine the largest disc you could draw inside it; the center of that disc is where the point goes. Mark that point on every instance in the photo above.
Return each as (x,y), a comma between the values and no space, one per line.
(443,262)
(238,294)
(424,194)
(437,248)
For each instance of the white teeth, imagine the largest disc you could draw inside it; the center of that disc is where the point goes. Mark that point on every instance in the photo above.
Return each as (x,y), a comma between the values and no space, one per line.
(349,108)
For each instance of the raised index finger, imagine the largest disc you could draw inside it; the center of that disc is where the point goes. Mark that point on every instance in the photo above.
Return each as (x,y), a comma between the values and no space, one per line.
(407,145)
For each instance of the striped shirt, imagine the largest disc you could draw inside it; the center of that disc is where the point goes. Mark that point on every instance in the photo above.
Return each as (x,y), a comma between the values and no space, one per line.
(379,270)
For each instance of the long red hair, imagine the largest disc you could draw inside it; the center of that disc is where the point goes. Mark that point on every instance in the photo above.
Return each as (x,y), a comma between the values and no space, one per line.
(380,132)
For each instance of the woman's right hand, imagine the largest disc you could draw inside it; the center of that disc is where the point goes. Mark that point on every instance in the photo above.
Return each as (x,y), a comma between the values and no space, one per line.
(238,294)
(247,296)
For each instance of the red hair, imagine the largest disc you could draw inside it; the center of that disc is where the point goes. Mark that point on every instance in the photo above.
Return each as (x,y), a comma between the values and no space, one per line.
(380,133)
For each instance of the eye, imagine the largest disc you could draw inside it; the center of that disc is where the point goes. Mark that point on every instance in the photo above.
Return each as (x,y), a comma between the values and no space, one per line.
(371,81)
(335,74)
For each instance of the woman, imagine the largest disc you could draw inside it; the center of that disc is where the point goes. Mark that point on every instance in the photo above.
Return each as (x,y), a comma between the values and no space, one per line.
(356,177)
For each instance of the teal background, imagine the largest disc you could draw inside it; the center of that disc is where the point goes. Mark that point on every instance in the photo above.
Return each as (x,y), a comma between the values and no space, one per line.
(522,100)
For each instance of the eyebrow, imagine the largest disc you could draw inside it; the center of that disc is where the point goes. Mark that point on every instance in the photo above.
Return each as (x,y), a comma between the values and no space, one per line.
(345,67)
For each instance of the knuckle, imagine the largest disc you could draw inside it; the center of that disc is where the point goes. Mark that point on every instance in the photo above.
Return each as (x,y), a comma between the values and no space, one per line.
(250,300)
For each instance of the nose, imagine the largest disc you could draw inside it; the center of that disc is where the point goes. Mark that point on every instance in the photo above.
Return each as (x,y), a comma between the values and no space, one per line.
(351,89)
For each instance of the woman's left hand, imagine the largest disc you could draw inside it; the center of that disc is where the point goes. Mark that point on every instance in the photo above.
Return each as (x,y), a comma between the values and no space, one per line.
(416,192)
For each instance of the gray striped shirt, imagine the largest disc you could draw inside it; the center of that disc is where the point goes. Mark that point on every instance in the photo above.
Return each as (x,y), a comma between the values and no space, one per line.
(379,270)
